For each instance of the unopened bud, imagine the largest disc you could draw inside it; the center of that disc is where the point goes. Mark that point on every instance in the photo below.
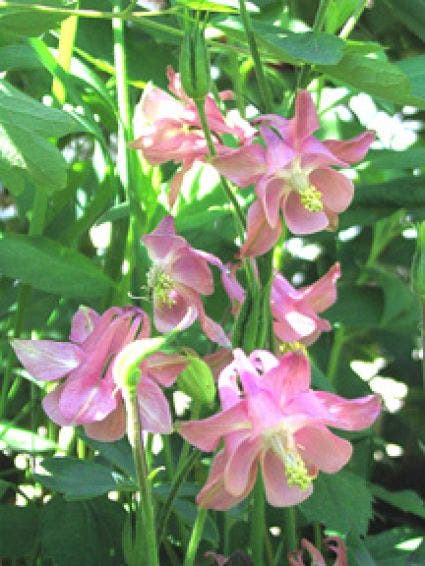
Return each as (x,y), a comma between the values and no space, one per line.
(194,63)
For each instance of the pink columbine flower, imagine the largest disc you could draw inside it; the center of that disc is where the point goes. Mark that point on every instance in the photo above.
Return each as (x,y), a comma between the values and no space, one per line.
(271,418)
(295,310)
(88,394)
(335,544)
(167,128)
(177,278)
(293,174)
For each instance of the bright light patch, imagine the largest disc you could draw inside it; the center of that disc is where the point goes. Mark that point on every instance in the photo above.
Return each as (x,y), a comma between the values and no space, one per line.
(394,450)
(349,233)
(100,235)
(367,370)
(392,392)
(296,248)
(181,402)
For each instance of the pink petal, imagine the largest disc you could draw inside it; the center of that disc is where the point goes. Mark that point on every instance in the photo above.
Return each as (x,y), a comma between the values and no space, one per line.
(270,191)
(214,495)
(278,492)
(154,409)
(238,471)
(301,221)
(295,558)
(193,272)
(263,360)
(83,324)
(322,294)
(243,166)
(163,242)
(260,236)
(351,151)
(305,121)
(164,368)
(112,428)
(218,360)
(51,407)
(349,414)
(278,153)
(337,191)
(167,317)
(214,331)
(290,378)
(315,155)
(321,448)
(337,545)
(316,556)
(46,359)
(155,104)
(206,434)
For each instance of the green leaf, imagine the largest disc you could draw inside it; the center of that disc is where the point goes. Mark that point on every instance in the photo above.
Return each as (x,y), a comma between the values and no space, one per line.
(87,533)
(80,479)
(410,13)
(19,531)
(197,381)
(357,307)
(23,119)
(338,13)
(375,76)
(18,56)
(413,68)
(116,212)
(25,21)
(116,453)
(411,158)
(406,500)
(211,6)
(284,45)
(341,502)
(187,511)
(22,440)
(48,266)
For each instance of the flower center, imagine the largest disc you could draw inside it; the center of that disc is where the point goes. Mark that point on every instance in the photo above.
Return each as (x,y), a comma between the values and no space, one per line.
(283,446)
(311,198)
(161,284)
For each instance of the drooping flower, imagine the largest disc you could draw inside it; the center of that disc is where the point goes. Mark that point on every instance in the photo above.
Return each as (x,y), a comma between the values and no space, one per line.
(293,174)
(335,544)
(88,394)
(177,278)
(295,311)
(168,128)
(271,418)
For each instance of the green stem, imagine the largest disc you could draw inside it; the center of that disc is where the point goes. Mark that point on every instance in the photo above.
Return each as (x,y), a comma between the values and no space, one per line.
(319,20)
(317,536)
(353,19)
(263,89)
(291,529)
(258,522)
(145,504)
(178,480)
(423,345)
(195,537)
(339,339)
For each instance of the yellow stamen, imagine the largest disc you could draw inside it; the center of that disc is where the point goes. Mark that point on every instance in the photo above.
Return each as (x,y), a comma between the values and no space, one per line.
(297,178)
(311,199)
(293,347)
(161,284)
(282,444)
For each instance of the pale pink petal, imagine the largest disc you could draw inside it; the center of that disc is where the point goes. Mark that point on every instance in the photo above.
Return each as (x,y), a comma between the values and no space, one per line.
(175,186)
(164,368)
(282,290)
(299,220)
(214,331)
(112,428)
(349,414)
(153,406)
(46,359)
(278,492)
(228,386)
(322,294)
(316,556)
(278,153)
(192,271)
(314,155)
(351,151)
(263,360)
(51,407)
(239,466)
(85,399)
(305,121)
(337,191)
(270,191)
(214,495)
(163,242)
(321,448)
(168,316)
(83,324)
(206,434)
(243,166)
(155,104)
(231,285)
(289,378)
(260,236)
(218,360)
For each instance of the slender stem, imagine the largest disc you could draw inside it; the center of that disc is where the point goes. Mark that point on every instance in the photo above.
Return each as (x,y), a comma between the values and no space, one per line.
(65,46)
(195,537)
(258,522)
(339,339)
(263,89)
(353,19)
(291,529)
(319,20)
(145,504)
(423,345)
(178,480)
(317,536)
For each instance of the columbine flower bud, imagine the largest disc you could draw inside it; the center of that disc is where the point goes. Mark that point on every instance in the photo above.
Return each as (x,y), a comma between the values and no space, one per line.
(194,64)
(418,264)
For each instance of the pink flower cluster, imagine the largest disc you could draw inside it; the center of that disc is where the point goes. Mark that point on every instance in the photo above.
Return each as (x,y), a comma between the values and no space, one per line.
(272,418)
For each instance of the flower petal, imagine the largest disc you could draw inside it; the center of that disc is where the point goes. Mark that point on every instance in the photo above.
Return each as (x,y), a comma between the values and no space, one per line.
(278,492)
(163,242)
(302,221)
(239,466)
(192,271)
(320,447)
(351,151)
(349,414)
(337,191)
(164,368)
(242,166)
(260,236)
(46,359)
(83,324)
(51,407)
(322,294)
(153,406)
(316,556)
(305,121)
(270,191)
(112,428)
